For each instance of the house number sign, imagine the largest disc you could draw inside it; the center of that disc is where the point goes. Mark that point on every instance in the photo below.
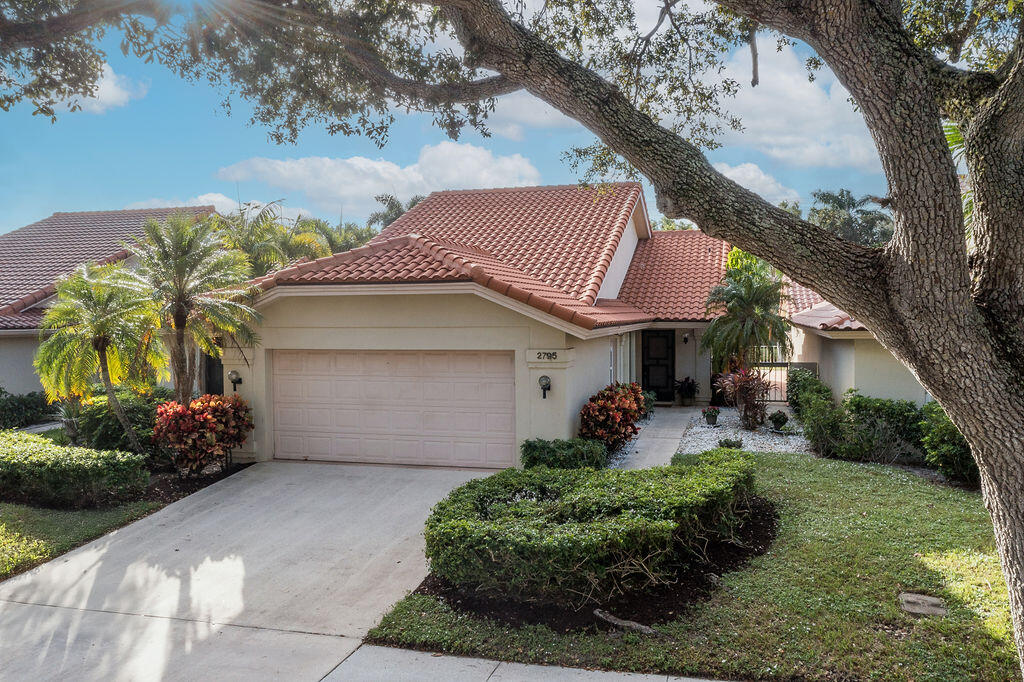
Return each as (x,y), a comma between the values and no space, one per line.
(547,354)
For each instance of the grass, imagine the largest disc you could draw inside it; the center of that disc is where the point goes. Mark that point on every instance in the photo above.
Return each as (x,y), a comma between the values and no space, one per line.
(821,604)
(31,535)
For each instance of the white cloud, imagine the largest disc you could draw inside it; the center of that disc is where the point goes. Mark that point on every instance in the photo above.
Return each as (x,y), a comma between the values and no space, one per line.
(351,183)
(112,91)
(521,109)
(222,203)
(756,180)
(788,117)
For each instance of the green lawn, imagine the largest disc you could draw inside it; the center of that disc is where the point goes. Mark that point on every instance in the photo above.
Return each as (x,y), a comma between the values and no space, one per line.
(32,535)
(821,604)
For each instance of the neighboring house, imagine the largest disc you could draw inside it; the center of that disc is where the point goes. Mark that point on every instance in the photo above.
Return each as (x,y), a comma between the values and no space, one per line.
(34,257)
(429,344)
(845,353)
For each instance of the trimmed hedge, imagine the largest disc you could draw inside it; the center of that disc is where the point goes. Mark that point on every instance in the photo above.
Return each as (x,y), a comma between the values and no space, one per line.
(27,409)
(945,448)
(579,535)
(564,454)
(36,471)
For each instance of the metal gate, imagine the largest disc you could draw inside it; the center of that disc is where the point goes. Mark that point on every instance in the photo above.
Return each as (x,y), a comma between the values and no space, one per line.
(774,367)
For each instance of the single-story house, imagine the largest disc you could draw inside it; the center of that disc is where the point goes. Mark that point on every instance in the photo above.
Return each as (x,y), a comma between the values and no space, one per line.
(34,257)
(845,353)
(477,320)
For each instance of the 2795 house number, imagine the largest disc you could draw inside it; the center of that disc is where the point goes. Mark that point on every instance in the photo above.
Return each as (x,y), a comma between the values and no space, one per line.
(547,355)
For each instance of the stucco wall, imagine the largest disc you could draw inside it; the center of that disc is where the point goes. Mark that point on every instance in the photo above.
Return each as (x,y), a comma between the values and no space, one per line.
(17,375)
(427,322)
(619,266)
(880,375)
(837,366)
(806,345)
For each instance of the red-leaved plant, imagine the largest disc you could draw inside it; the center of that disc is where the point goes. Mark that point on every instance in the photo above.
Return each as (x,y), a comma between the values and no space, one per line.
(611,415)
(208,429)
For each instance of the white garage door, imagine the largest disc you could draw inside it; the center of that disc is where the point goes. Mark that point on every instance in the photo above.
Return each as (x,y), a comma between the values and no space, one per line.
(447,408)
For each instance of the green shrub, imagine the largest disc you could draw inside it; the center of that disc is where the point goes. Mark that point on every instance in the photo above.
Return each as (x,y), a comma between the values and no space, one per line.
(882,430)
(801,383)
(778,418)
(647,408)
(564,454)
(580,535)
(945,448)
(731,443)
(824,423)
(99,428)
(36,471)
(17,411)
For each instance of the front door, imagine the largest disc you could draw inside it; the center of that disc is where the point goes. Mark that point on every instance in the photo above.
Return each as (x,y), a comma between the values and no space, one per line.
(658,363)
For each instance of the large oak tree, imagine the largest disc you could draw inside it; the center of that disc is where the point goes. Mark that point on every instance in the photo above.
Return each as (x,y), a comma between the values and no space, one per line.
(952,310)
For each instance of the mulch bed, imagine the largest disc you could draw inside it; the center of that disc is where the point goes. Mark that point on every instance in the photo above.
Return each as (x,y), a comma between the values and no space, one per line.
(169,487)
(695,583)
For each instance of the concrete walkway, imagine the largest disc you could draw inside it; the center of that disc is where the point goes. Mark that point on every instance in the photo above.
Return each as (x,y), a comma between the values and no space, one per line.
(401,665)
(659,438)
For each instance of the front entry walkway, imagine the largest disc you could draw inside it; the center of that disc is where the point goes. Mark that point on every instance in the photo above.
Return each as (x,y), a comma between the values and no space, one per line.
(659,438)
(274,573)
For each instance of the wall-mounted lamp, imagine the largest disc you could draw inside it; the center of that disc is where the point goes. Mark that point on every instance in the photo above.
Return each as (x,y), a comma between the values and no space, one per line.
(545,385)
(235,378)
(686,338)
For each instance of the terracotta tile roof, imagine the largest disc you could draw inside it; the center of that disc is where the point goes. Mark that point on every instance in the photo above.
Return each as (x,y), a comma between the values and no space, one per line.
(564,236)
(416,258)
(823,315)
(33,257)
(800,298)
(672,273)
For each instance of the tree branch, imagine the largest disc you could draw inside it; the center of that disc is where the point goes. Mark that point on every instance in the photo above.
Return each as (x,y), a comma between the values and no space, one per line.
(687,185)
(87,15)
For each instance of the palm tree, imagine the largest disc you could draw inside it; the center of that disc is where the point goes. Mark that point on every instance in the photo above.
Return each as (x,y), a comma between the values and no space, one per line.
(336,239)
(255,231)
(97,326)
(196,286)
(392,209)
(958,147)
(293,242)
(847,216)
(751,307)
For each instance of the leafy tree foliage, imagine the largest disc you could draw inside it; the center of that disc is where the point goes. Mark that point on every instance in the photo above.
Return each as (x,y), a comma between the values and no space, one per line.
(851,218)
(193,283)
(748,313)
(96,326)
(391,210)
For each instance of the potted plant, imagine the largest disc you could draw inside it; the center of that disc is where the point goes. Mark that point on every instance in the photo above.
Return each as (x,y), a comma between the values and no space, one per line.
(778,418)
(711,415)
(687,389)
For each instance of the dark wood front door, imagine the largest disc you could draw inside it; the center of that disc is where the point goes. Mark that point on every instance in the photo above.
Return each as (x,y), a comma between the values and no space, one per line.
(658,363)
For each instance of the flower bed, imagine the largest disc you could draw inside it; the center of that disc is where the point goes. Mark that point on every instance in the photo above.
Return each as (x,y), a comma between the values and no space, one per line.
(576,535)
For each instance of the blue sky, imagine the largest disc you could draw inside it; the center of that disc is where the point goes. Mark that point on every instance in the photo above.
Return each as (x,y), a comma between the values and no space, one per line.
(151,139)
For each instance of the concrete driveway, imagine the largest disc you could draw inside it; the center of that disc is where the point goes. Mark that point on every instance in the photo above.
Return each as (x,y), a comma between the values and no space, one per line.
(278,571)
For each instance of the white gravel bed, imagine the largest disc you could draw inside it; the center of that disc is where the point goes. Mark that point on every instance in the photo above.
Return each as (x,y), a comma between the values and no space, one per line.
(700,437)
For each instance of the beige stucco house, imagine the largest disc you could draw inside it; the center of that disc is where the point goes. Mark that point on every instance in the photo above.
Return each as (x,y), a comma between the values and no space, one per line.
(847,355)
(428,345)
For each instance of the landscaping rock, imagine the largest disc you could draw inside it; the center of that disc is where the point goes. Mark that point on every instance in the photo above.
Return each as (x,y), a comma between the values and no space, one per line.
(700,437)
(922,604)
